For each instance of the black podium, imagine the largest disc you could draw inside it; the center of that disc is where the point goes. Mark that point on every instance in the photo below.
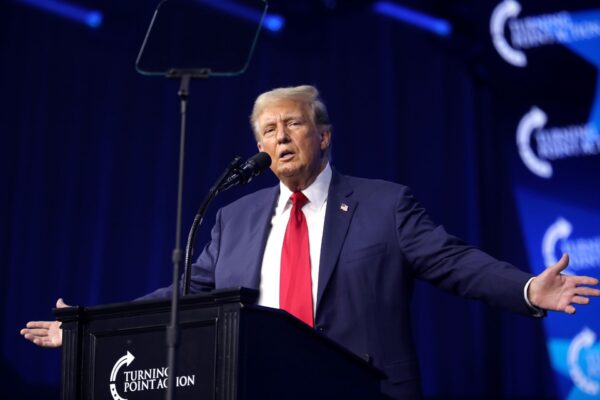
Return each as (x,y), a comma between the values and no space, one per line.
(229,349)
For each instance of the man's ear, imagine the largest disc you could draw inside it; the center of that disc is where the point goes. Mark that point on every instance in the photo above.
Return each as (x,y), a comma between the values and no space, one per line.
(325,139)
(259,145)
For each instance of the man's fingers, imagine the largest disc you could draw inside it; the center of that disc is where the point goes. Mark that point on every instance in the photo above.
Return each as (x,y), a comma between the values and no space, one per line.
(580,300)
(61,304)
(35,332)
(35,339)
(39,324)
(43,342)
(570,309)
(586,291)
(560,265)
(583,280)
(31,337)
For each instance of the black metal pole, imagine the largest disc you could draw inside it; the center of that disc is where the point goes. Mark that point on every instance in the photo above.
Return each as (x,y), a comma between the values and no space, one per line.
(173,329)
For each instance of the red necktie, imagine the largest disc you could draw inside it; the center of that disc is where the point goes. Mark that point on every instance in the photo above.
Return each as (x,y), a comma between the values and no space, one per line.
(295,289)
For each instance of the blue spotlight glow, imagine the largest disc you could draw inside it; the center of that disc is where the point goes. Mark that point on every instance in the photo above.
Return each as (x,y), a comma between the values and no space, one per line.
(91,18)
(438,26)
(94,19)
(272,22)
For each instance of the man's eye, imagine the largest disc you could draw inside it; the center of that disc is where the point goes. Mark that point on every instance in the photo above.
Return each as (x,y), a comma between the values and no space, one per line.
(268,131)
(294,123)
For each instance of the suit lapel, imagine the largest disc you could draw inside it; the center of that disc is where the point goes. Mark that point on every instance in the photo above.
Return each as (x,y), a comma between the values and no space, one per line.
(340,208)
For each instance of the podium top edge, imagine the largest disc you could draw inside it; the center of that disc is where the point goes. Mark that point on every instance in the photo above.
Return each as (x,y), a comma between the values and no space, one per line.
(245,296)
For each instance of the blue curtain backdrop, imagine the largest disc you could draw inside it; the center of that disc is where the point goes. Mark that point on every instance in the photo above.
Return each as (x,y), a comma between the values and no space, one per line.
(89,163)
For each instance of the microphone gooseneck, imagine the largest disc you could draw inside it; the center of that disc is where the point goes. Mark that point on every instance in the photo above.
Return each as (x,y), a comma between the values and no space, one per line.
(236,173)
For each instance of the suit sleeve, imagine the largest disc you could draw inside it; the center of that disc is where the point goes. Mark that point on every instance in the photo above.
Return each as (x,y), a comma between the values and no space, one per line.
(203,270)
(451,264)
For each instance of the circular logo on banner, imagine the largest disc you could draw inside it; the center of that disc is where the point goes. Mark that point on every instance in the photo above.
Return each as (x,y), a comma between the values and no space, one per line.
(530,32)
(584,252)
(581,376)
(502,13)
(533,120)
(554,143)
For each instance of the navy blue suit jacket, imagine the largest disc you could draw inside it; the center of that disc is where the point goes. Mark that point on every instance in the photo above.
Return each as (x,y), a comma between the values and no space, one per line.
(371,252)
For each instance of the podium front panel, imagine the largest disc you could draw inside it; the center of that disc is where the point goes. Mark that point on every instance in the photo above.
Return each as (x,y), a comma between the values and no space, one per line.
(131,363)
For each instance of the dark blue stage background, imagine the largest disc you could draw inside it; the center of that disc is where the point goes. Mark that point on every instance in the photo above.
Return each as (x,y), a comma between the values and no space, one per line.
(88,157)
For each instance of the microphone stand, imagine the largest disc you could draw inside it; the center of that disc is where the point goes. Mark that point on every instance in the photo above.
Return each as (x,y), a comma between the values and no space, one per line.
(212,193)
(173,329)
(185,74)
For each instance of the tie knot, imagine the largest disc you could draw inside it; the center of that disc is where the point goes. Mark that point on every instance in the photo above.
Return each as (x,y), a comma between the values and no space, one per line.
(298,200)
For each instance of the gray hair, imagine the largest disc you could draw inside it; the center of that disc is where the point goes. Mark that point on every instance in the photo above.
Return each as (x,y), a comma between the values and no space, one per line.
(306,94)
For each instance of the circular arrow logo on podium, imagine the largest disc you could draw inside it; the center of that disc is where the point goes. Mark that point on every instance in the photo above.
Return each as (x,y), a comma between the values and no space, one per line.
(126,359)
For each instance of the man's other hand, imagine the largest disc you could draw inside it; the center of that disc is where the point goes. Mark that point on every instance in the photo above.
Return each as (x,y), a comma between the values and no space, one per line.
(551,290)
(45,333)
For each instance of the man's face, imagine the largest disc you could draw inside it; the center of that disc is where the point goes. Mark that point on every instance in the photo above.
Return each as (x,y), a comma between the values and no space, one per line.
(288,133)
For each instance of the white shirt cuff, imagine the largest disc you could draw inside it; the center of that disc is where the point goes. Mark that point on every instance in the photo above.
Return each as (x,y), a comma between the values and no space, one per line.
(537,312)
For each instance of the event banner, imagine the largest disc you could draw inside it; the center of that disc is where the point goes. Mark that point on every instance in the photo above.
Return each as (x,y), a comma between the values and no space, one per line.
(543,59)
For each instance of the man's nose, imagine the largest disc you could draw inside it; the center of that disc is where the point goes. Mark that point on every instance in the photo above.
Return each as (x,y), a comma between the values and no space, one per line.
(282,133)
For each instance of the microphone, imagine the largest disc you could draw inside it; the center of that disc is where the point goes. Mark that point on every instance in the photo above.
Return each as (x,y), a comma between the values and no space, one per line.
(235,174)
(243,174)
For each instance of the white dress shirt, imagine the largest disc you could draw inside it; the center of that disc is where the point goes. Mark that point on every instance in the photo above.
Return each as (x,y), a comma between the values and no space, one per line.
(314,212)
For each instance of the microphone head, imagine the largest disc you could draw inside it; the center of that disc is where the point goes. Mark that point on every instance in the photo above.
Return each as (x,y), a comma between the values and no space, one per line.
(243,174)
(261,162)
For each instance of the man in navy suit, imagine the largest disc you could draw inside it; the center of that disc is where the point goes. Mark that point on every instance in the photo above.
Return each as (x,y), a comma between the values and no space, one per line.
(368,241)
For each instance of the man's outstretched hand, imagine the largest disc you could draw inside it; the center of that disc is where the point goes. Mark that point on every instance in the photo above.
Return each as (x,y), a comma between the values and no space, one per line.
(554,291)
(45,333)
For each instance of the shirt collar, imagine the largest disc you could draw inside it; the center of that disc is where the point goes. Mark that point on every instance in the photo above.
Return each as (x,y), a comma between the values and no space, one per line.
(316,192)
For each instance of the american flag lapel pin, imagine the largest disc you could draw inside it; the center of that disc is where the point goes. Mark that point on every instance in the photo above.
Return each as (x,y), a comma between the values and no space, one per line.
(344,207)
